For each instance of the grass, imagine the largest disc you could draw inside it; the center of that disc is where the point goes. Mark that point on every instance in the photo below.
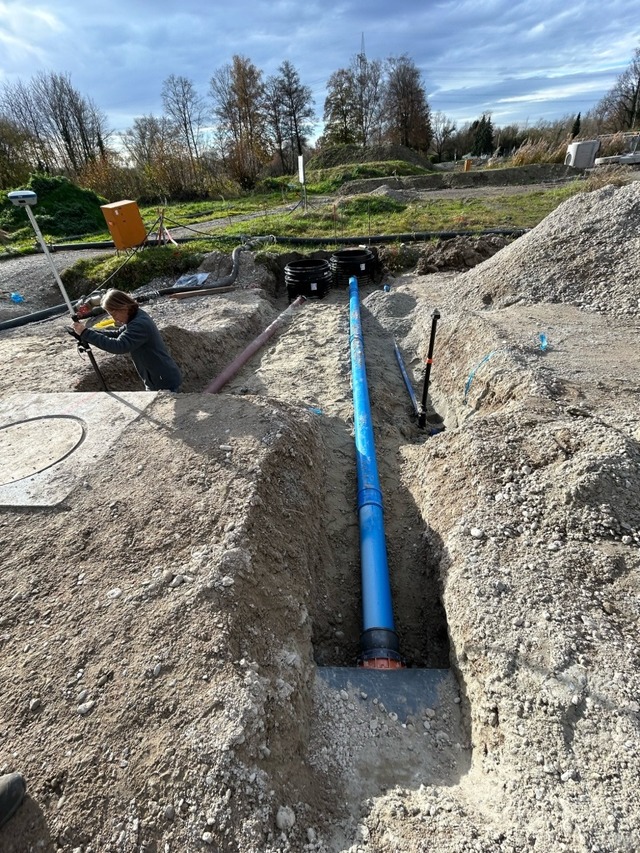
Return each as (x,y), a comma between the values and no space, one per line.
(187,213)
(366,215)
(133,271)
(329,180)
(354,216)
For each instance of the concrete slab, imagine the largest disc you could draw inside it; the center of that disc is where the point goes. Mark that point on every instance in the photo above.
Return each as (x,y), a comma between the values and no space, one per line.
(49,441)
(405,691)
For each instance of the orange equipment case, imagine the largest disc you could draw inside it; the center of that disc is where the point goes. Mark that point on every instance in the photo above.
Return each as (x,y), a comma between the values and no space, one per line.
(125,224)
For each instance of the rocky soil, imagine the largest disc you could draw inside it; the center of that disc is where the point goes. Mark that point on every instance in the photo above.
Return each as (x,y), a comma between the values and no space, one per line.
(180,634)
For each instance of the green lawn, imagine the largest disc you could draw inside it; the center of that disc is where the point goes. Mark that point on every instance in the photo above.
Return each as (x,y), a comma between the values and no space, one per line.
(357,216)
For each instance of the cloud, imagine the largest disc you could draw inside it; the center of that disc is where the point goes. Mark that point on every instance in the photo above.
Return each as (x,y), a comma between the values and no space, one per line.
(510,58)
(22,29)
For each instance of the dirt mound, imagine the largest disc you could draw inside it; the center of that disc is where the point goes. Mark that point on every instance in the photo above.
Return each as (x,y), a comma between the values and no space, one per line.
(457,254)
(342,155)
(520,176)
(585,253)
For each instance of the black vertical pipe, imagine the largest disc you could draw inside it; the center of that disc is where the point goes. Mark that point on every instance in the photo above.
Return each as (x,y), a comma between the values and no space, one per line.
(422,418)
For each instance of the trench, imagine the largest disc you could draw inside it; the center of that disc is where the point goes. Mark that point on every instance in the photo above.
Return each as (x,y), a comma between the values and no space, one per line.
(319,340)
(306,367)
(320,336)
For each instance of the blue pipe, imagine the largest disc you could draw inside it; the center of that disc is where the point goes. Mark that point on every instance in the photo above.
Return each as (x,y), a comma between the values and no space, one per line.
(407,381)
(378,641)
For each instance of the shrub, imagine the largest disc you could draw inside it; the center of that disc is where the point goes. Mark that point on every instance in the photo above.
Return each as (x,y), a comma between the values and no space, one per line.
(63,209)
(539,151)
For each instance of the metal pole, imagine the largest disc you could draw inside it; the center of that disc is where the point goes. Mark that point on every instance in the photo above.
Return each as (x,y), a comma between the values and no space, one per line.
(45,249)
(422,418)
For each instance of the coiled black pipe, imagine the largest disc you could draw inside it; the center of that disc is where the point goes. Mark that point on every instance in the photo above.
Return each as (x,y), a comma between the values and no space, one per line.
(346,263)
(310,277)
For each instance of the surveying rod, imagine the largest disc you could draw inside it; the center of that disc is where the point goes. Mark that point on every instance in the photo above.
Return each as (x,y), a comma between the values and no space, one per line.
(26,199)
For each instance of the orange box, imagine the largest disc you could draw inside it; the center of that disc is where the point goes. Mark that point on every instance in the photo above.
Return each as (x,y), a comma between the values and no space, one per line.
(125,223)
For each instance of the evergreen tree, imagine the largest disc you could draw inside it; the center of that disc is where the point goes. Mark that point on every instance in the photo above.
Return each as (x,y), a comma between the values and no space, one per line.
(575,127)
(483,136)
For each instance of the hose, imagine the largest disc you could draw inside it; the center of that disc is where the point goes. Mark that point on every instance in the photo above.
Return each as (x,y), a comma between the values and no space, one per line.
(413,236)
(226,281)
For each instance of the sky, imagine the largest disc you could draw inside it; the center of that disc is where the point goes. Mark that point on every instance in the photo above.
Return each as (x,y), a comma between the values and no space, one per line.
(521,62)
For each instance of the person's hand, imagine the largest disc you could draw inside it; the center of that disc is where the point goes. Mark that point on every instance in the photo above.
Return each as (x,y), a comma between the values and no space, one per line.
(78,328)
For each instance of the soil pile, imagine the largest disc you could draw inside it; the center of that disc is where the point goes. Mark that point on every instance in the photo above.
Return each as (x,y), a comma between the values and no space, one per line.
(341,155)
(505,177)
(585,253)
(457,254)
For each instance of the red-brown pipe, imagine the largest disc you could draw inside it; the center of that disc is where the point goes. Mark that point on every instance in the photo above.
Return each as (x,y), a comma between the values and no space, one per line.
(231,369)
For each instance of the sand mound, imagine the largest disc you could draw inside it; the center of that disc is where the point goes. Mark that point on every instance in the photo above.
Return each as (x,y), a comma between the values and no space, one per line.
(585,253)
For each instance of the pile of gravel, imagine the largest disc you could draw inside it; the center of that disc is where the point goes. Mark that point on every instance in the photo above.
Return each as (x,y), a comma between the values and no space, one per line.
(586,253)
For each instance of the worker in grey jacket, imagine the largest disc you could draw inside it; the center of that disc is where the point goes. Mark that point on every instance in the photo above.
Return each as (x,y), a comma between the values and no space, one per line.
(137,335)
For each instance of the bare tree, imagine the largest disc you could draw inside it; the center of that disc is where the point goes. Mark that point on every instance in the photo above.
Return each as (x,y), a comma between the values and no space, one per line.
(406,111)
(66,130)
(619,110)
(443,130)
(276,121)
(353,106)
(155,149)
(187,111)
(76,127)
(368,91)
(19,106)
(238,95)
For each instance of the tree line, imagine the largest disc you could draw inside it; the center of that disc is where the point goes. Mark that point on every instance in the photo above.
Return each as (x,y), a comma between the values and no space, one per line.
(248,126)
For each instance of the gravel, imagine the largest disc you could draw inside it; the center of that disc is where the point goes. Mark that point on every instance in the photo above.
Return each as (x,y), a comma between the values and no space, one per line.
(514,549)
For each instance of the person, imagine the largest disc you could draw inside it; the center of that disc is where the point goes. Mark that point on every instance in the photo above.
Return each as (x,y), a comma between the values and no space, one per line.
(137,335)
(12,791)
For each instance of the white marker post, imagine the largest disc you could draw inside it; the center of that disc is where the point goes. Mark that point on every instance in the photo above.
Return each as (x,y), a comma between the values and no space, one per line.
(301,178)
(26,199)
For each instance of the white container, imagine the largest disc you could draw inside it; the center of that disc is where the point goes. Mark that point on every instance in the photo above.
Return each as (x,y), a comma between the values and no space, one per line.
(582,155)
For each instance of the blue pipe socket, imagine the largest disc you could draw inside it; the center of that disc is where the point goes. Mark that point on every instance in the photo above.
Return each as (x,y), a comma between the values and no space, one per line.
(379,647)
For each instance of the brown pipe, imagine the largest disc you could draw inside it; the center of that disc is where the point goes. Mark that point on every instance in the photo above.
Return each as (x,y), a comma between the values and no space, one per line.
(231,369)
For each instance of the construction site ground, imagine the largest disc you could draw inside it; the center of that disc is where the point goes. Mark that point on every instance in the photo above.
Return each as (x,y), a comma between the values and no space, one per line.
(169,626)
